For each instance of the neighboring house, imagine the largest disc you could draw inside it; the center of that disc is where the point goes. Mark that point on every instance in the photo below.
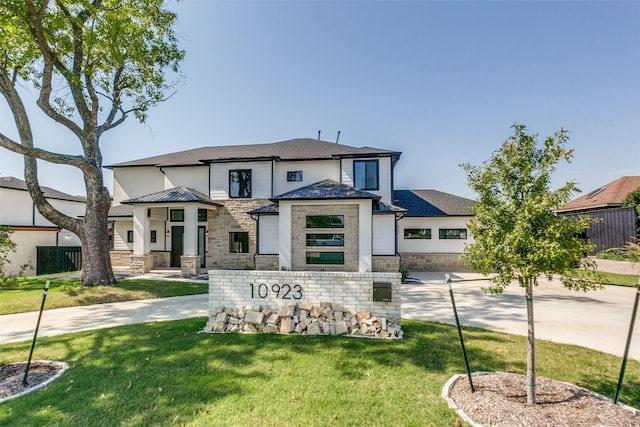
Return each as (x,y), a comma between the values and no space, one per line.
(433,232)
(30,229)
(616,225)
(301,204)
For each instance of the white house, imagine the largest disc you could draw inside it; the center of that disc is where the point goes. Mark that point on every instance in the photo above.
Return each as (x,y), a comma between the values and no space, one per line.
(433,232)
(301,204)
(30,229)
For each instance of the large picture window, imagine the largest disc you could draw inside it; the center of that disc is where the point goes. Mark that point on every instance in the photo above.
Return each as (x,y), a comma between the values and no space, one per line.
(239,242)
(365,174)
(240,183)
(453,233)
(325,239)
(325,221)
(325,257)
(417,233)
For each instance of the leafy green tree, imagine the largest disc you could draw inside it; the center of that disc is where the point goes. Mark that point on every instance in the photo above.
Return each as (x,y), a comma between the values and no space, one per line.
(633,201)
(518,235)
(92,64)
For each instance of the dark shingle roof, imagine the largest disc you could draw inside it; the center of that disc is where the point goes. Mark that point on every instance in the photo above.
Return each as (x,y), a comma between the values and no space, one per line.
(270,209)
(610,195)
(327,189)
(18,184)
(121,211)
(173,195)
(432,203)
(293,149)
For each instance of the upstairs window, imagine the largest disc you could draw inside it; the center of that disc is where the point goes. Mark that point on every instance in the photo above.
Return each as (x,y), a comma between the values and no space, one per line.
(453,233)
(293,176)
(365,174)
(202,215)
(240,183)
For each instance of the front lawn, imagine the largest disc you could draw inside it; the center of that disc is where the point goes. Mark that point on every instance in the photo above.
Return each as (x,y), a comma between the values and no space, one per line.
(167,374)
(68,293)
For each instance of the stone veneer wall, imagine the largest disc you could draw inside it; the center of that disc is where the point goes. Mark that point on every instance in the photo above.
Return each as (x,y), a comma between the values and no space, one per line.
(385,263)
(352,290)
(299,232)
(161,259)
(267,262)
(232,217)
(431,262)
(120,258)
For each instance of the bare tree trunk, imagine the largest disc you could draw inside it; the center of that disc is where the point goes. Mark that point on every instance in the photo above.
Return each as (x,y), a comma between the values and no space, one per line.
(531,347)
(96,262)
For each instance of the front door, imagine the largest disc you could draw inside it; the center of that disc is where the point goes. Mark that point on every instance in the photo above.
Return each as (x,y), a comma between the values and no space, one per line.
(177,245)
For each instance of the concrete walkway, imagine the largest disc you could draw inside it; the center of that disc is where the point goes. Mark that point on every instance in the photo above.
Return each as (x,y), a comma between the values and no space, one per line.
(596,319)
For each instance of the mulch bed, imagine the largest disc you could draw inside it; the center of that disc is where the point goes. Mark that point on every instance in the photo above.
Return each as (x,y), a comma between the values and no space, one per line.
(12,375)
(500,399)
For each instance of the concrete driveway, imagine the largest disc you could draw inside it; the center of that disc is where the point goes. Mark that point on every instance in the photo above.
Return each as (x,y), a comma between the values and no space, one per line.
(595,319)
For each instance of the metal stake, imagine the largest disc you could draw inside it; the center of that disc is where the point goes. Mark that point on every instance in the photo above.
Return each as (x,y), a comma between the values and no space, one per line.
(626,349)
(464,352)
(35,334)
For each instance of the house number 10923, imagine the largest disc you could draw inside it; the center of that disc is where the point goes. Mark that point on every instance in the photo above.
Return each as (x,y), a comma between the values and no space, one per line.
(279,291)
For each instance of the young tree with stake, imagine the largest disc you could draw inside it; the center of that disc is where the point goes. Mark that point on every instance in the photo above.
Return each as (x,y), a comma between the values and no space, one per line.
(518,235)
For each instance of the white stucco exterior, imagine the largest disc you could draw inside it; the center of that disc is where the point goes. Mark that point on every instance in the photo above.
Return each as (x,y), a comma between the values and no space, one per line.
(435,244)
(312,171)
(30,229)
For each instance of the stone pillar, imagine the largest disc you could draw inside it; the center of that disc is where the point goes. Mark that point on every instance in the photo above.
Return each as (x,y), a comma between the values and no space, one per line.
(140,264)
(189,264)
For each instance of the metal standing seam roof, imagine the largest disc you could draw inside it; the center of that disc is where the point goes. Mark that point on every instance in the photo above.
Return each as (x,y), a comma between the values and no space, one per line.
(293,149)
(379,208)
(420,203)
(173,195)
(49,193)
(327,189)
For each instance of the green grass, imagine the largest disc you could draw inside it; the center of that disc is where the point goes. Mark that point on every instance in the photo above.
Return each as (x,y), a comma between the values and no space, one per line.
(68,293)
(614,278)
(168,374)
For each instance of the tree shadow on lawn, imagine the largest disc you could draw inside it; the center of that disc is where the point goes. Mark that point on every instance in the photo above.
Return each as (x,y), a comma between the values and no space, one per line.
(151,373)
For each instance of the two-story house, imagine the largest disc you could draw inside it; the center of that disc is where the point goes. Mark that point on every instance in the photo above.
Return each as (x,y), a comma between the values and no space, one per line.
(301,204)
(30,229)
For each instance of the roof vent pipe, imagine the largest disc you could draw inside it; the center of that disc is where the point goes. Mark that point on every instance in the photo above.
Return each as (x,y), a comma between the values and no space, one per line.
(318,135)
(338,137)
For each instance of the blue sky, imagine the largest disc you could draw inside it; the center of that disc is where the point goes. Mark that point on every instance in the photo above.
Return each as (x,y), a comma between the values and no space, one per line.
(442,82)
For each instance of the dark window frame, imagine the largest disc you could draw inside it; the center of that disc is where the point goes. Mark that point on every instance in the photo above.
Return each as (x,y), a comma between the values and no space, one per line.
(330,223)
(153,236)
(316,258)
(356,177)
(453,233)
(415,233)
(292,176)
(176,215)
(202,215)
(245,179)
(241,237)
(129,236)
(325,239)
